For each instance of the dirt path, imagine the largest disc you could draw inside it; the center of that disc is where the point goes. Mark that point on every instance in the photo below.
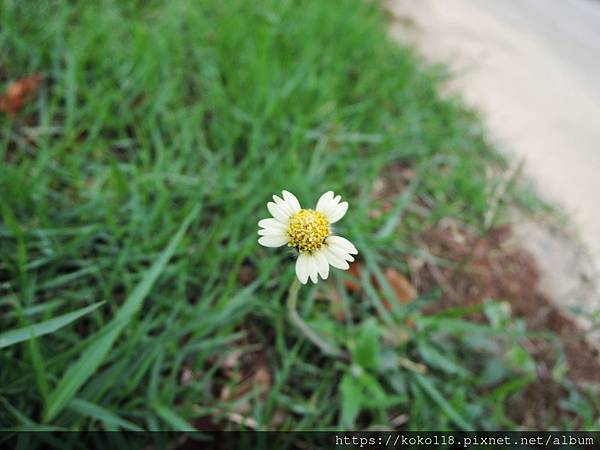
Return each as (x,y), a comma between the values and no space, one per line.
(532,67)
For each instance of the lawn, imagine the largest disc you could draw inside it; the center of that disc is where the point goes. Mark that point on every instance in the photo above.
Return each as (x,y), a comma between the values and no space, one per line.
(131,185)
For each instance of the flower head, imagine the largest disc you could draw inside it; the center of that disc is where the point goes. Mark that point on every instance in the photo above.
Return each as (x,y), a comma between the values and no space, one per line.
(309,232)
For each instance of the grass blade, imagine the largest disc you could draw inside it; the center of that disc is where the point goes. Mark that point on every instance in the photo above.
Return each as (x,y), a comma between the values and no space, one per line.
(110,420)
(39,368)
(446,407)
(48,326)
(92,357)
(175,421)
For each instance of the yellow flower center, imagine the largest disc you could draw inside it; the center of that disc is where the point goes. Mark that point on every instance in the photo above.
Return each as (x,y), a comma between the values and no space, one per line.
(308,230)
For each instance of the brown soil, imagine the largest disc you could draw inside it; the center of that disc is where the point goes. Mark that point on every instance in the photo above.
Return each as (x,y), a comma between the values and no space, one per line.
(483,267)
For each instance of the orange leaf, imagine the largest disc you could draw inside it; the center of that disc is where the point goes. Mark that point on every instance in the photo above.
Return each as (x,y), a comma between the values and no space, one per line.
(337,305)
(404,290)
(17,94)
(354,270)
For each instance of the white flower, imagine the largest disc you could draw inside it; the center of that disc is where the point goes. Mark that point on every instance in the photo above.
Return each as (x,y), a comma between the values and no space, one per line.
(309,231)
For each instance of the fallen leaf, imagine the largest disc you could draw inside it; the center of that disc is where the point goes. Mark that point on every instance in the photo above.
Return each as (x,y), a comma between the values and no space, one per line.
(247,274)
(252,375)
(354,270)
(404,290)
(337,305)
(18,93)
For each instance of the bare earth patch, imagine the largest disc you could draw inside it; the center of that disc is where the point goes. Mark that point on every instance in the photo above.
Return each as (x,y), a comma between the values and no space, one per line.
(492,267)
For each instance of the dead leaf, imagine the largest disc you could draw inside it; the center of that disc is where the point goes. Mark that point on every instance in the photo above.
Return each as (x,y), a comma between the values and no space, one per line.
(247,274)
(337,305)
(254,376)
(18,93)
(187,375)
(404,290)
(354,270)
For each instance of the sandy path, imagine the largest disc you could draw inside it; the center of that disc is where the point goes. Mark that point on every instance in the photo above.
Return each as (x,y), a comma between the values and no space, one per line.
(532,67)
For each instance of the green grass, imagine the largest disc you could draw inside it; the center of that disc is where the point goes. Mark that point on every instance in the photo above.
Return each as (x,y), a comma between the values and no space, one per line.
(138,174)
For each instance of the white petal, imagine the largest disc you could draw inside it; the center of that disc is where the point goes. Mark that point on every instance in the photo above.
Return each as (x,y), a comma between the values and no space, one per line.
(272,232)
(292,201)
(273,241)
(302,268)
(331,207)
(324,200)
(334,259)
(322,264)
(313,270)
(343,243)
(336,212)
(327,211)
(272,223)
(341,253)
(282,204)
(280,214)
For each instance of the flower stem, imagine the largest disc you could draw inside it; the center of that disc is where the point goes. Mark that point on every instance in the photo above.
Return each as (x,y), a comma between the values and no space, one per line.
(292,300)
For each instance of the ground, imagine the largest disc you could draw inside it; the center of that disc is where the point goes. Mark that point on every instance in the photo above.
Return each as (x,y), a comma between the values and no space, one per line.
(140,144)
(531,68)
